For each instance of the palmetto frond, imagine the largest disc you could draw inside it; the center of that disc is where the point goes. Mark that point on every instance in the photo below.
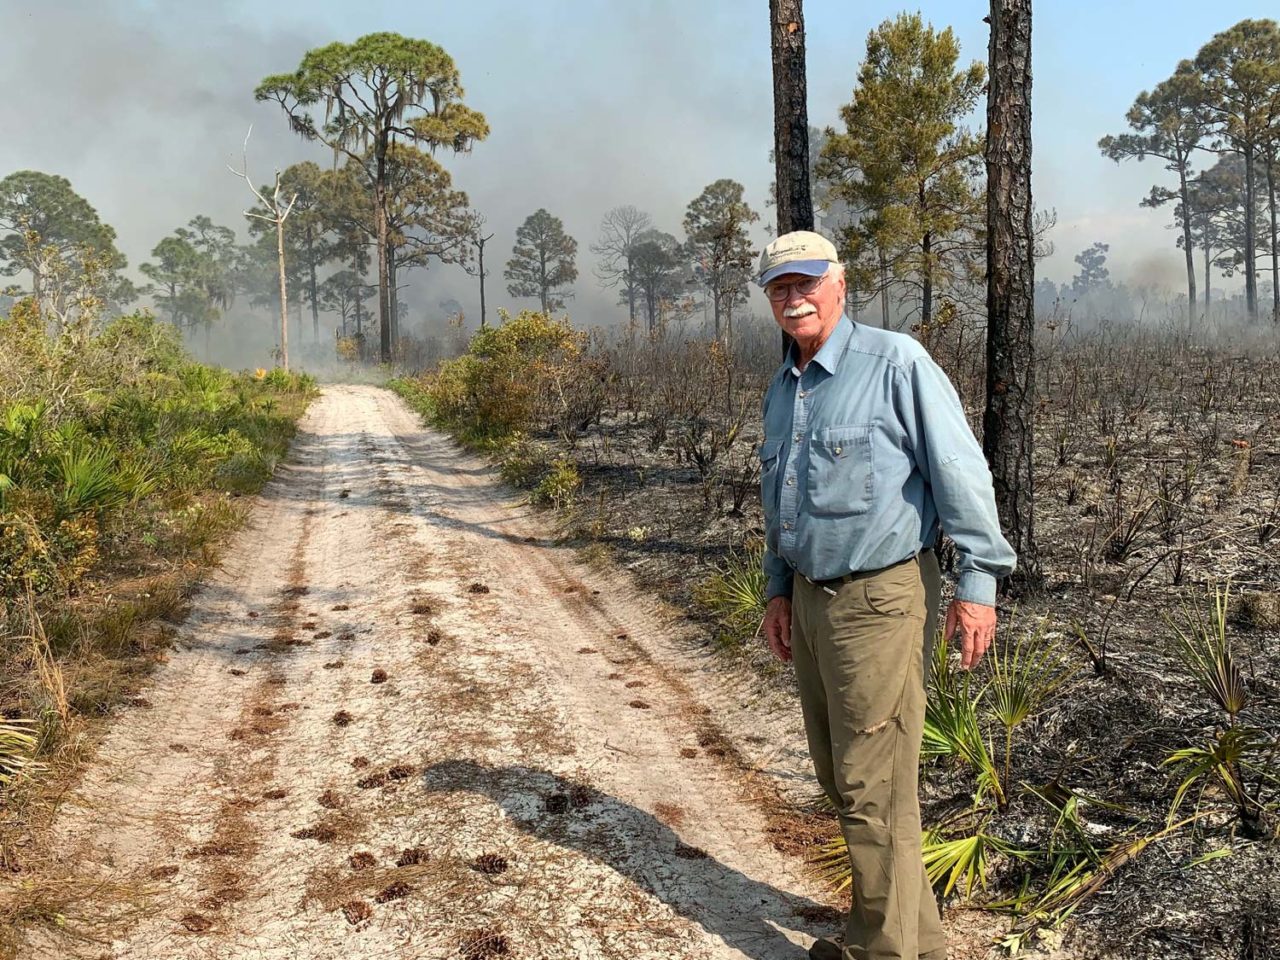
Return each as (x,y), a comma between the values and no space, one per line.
(963,862)
(952,727)
(88,475)
(1024,677)
(1225,758)
(1205,650)
(736,590)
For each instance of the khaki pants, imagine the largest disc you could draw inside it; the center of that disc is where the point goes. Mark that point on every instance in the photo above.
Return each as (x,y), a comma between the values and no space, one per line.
(861,659)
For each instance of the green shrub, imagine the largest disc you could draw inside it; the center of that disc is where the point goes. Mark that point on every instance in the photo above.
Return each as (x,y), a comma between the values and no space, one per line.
(513,378)
(90,431)
(559,486)
(524,462)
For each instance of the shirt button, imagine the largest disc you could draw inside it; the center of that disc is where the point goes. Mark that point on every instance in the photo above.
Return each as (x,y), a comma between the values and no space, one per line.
(786,526)
(799,437)
(803,394)
(837,451)
(791,481)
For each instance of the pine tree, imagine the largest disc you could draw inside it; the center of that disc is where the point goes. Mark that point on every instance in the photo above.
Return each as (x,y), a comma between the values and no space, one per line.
(1169,124)
(715,223)
(1008,422)
(543,262)
(909,166)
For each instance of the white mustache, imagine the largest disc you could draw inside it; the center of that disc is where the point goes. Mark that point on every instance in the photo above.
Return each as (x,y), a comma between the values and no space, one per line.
(803,310)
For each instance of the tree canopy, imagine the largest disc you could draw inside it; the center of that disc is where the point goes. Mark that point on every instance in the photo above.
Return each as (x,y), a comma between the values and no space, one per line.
(715,223)
(365,98)
(196,271)
(50,230)
(1168,123)
(619,231)
(543,261)
(905,162)
(657,272)
(1240,69)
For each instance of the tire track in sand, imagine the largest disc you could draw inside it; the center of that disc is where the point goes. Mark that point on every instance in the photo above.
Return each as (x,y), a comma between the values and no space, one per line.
(416,728)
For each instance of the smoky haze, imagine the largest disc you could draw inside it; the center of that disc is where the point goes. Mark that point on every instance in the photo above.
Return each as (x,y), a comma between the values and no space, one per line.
(142,105)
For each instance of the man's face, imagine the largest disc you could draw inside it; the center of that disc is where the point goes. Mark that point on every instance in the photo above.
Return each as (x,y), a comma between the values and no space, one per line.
(807,315)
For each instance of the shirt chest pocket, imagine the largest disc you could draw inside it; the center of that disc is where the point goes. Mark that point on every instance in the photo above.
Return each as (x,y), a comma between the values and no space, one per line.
(841,478)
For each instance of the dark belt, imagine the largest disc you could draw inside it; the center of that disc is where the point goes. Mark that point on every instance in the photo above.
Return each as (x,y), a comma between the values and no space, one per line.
(829,585)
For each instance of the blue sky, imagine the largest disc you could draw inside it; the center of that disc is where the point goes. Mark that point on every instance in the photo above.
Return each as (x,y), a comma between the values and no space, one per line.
(592,105)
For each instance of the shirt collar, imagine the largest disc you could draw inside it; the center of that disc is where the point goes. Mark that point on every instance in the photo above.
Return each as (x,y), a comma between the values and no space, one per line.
(829,354)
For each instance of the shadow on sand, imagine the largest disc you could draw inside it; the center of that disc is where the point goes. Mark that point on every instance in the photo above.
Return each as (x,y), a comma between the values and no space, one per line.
(749,915)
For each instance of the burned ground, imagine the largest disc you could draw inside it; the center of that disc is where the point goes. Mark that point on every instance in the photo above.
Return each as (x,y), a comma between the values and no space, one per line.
(1157,481)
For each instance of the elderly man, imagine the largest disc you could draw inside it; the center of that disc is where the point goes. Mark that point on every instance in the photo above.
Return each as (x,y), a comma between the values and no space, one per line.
(866,454)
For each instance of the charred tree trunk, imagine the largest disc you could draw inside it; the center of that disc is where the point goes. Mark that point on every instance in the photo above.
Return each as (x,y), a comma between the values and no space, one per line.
(790,121)
(884,290)
(544,281)
(1008,421)
(361,350)
(790,117)
(315,293)
(480,242)
(393,298)
(1208,262)
(631,291)
(284,295)
(384,278)
(1275,254)
(926,264)
(1250,231)
(1187,245)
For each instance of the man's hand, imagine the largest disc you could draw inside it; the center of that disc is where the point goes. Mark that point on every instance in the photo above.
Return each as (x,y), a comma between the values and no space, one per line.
(976,624)
(777,627)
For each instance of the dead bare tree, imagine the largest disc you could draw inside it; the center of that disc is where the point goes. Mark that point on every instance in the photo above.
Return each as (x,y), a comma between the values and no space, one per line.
(477,227)
(620,230)
(277,213)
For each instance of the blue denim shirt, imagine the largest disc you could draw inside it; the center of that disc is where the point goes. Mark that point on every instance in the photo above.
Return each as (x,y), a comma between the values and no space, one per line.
(866,452)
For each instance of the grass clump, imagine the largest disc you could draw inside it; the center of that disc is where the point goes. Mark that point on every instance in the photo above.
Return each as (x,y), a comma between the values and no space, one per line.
(558,486)
(734,594)
(1238,756)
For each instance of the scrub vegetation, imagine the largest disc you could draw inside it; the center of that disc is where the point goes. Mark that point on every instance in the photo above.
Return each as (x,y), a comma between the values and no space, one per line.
(122,467)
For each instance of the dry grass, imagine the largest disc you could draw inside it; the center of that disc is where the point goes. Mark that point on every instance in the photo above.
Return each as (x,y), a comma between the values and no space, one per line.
(72,906)
(669,813)
(335,886)
(1259,609)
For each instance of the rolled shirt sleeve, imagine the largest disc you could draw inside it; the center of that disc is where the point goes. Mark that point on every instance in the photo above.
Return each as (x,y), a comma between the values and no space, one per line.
(952,463)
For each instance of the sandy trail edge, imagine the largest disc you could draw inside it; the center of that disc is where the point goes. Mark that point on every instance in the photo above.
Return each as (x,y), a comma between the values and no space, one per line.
(549,777)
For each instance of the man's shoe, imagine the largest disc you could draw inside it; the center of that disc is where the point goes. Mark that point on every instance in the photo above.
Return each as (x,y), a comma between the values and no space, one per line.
(825,948)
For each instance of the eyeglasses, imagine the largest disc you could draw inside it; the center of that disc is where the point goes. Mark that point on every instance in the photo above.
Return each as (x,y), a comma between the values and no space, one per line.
(779,292)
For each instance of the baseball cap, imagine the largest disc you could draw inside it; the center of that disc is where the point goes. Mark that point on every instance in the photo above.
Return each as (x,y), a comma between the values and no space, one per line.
(801,251)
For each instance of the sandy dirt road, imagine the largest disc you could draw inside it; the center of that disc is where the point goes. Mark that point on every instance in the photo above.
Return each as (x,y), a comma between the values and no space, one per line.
(401,722)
